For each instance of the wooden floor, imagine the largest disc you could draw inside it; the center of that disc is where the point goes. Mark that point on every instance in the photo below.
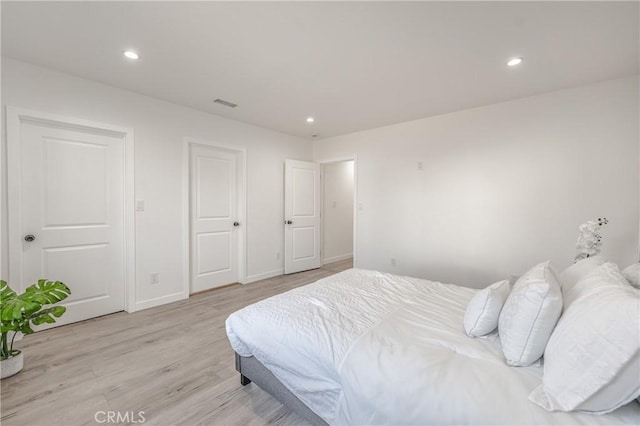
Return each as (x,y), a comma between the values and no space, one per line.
(172,362)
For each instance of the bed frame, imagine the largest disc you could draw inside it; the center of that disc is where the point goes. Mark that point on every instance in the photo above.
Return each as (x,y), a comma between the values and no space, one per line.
(251,370)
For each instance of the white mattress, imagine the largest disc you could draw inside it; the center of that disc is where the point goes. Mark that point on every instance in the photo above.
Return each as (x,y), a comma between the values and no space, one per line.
(363,347)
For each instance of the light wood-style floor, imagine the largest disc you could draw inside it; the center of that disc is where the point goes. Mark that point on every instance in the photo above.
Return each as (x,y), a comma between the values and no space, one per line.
(173,362)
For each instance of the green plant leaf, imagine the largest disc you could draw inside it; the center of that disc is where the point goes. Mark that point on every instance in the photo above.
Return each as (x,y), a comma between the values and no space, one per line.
(5,292)
(46,292)
(25,328)
(18,312)
(9,326)
(47,315)
(16,309)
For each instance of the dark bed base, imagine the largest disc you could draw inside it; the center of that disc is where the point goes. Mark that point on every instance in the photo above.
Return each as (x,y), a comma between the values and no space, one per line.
(251,370)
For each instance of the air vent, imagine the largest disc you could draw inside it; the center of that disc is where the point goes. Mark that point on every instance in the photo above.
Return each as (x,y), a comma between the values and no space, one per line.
(225,103)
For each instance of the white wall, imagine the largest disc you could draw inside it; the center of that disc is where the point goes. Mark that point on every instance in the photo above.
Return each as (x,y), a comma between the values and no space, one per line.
(159,130)
(503,186)
(337,211)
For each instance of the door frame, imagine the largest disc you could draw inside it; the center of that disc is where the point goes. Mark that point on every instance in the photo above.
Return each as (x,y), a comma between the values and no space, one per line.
(322,163)
(241,199)
(15,116)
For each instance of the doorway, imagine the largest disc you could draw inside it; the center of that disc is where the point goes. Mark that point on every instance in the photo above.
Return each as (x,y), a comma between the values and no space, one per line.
(320,218)
(216,181)
(338,184)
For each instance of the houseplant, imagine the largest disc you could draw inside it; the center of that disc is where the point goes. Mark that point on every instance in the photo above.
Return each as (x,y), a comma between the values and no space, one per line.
(19,312)
(590,240)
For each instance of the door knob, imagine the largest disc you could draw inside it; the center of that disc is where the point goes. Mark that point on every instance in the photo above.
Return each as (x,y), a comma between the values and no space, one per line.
(236,223)
(28,238)
(289,222)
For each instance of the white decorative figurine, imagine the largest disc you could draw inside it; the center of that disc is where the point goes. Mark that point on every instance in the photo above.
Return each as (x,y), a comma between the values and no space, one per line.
(590,240)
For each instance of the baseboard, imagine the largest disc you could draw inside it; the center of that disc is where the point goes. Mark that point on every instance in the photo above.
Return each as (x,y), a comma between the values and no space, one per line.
(336,258)
(263,276)
(162,300)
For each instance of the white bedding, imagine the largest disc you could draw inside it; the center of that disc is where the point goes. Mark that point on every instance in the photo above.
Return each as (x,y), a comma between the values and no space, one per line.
(363,347)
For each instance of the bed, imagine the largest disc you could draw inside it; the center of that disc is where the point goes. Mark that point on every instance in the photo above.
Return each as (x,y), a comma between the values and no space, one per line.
(365,347)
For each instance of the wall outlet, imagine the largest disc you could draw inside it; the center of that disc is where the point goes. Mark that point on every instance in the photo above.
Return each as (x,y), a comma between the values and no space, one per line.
(277,255)
(360,206)
(394,262)
(155,278)
(334,204)
(420,165)
(139,205)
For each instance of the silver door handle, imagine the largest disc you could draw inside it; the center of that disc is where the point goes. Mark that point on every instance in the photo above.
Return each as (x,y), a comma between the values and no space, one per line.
(29,238)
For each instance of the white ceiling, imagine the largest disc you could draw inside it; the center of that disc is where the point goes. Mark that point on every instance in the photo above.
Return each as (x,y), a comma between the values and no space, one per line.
(351,65)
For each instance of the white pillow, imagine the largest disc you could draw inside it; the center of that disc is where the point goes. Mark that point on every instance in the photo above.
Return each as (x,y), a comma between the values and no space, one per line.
(529,315)
(606,273)
(592,360)
(483,311)
(579,270)
(632,274)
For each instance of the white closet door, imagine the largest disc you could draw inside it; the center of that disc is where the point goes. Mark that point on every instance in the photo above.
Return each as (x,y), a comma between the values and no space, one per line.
(302,216)
(72,215)
(214,217)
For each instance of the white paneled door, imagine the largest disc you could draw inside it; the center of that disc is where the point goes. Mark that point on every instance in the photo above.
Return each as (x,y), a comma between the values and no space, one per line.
(71,192)
(302,216)
(214,217)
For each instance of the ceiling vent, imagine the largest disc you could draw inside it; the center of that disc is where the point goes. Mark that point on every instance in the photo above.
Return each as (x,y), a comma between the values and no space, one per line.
(225,103)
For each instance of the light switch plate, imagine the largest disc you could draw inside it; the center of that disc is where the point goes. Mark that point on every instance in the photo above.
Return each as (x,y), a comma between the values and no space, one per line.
(139,205)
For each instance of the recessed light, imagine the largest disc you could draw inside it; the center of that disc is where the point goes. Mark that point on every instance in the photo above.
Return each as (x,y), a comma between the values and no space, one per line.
(514,61)
(130,54)
(310,120)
